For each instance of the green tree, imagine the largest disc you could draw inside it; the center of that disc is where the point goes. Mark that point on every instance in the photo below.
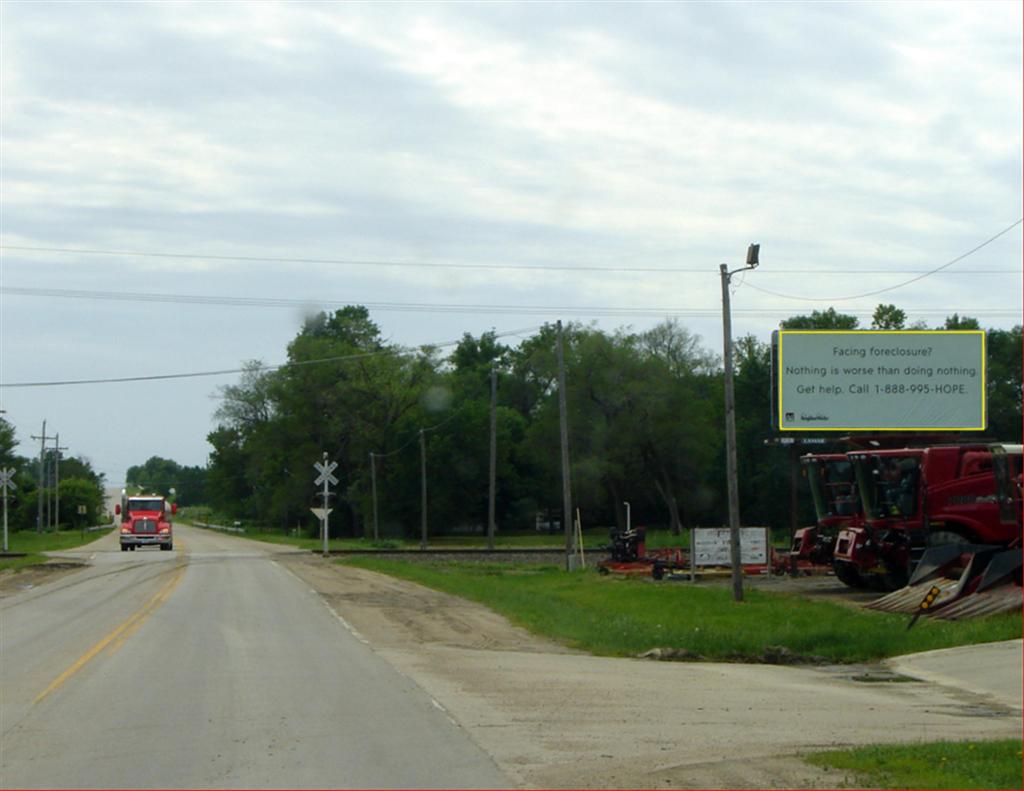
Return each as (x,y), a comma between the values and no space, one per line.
(821,320)
(957,322)
(80,494)
(888,317)
(1003,383)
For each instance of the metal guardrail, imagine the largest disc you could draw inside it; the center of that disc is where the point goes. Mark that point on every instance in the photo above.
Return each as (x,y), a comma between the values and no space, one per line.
(224,528)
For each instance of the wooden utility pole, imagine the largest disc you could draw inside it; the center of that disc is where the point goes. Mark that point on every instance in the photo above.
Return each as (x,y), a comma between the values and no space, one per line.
(373,487)
(423,490)
(563,422)
(491,527)
(42,453)
(56,482)
(730,426)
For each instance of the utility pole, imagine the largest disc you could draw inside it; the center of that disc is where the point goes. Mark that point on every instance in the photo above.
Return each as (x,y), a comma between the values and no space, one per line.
(56,483)
(423,490)
(42,453)
(373,487)
(730,425)
(564,431)
(491,527)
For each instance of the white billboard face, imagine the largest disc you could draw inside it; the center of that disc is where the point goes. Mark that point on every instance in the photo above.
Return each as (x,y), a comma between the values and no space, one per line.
(881,380)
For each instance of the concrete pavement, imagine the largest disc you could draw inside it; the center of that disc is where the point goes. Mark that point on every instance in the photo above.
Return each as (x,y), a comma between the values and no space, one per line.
(992,670)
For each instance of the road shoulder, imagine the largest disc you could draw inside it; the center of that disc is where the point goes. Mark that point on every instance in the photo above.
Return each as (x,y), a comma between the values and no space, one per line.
(557,718)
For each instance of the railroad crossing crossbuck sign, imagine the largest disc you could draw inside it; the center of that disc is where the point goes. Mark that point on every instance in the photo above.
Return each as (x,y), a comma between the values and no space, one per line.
(325,471)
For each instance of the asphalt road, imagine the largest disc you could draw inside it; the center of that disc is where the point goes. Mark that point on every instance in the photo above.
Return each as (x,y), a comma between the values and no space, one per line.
(209,666)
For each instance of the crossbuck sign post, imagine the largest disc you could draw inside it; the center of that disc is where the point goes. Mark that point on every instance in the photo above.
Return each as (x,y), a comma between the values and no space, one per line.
(325,469)
(7,483)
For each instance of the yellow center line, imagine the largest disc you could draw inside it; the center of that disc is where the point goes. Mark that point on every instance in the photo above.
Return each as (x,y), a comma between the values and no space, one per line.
(123,631)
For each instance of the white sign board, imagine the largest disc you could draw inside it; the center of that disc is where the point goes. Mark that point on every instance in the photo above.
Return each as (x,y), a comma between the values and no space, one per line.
(321,513)
(711,546)
(881,380)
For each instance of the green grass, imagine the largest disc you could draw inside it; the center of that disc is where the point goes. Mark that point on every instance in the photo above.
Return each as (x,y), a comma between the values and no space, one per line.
(35,543)
(615,616)
(523,540)
(938,765)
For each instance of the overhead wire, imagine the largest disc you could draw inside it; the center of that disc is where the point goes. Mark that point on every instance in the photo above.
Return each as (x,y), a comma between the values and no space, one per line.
(970,252)
(371,262)
(410,307)
(401,351)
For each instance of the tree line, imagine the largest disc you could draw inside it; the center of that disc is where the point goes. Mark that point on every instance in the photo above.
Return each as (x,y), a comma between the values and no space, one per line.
(645,415)
(80,488)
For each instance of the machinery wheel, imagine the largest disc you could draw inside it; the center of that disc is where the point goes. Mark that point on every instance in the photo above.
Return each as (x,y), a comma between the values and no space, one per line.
(165,547)
(124,548)
(847,574)
(602,570)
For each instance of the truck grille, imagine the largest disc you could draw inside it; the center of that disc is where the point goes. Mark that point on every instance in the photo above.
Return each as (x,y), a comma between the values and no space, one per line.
(145,526)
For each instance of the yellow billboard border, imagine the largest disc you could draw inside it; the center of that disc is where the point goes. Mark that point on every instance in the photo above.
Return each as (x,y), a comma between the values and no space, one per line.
(984,378)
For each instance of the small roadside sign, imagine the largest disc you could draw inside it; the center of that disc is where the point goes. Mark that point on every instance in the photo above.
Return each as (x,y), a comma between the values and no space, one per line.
(321,513)
(83,510)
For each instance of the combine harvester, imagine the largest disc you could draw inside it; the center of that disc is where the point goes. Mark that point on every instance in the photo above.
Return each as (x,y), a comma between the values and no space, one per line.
(965,502)
(837,504)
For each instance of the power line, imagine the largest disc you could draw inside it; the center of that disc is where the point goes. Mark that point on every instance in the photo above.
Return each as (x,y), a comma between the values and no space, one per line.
(972,251)
(452,265)
(410,307)
(261,368)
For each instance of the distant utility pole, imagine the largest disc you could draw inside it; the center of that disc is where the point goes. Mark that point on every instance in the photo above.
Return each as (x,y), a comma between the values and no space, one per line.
(494,459)
(373,487)
(563,422)
(56,482)
(730,425)
(42,452)
(423,489)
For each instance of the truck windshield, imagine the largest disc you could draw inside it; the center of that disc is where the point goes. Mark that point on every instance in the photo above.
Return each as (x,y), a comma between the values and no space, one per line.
(145,505)
(833,487)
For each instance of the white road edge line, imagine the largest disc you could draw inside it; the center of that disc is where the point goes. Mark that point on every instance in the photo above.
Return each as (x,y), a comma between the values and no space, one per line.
(355,633)
(349,627)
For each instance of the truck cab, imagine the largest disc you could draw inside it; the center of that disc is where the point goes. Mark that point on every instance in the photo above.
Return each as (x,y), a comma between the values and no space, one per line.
(145,521)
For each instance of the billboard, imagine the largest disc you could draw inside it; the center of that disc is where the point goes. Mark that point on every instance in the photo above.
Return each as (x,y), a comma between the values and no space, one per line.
(880,380)
(711,546)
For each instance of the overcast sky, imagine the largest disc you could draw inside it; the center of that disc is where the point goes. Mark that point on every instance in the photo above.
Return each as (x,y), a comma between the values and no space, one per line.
(460,167)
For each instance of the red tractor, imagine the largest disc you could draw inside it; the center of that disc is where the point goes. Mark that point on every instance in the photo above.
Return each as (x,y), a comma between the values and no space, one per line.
(917,498)
(145,521)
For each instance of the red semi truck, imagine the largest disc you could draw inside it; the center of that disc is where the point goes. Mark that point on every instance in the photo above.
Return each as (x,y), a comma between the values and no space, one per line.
(145,521)
(916,498)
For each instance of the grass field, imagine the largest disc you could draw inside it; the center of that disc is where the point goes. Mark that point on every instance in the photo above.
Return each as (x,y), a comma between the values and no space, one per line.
(35,543)
(615,616)
(593,538)
(938,765)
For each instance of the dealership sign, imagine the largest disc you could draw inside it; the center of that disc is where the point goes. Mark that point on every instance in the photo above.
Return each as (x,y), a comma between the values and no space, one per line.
(879,380)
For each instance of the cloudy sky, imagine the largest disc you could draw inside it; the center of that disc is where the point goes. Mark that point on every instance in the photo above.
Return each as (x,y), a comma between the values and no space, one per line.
(181,182)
